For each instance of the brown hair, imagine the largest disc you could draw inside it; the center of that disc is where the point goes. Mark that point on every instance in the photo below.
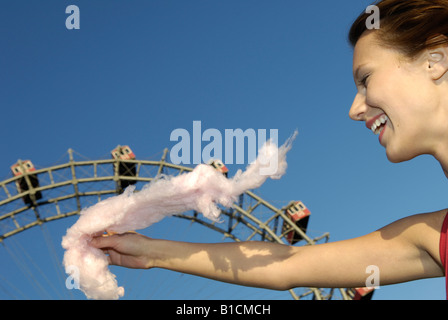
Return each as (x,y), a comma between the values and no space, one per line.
(407,25)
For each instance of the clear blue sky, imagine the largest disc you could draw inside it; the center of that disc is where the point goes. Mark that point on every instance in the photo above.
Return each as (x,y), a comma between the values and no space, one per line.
(137,70)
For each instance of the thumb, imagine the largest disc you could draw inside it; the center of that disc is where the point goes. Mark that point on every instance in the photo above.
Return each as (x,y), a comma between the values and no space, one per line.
(103,241)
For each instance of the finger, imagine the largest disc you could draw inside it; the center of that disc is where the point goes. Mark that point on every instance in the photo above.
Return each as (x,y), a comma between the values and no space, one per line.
(103,242)
(114,258)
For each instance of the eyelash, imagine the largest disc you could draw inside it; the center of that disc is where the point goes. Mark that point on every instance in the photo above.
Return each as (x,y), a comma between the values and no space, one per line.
(363,81)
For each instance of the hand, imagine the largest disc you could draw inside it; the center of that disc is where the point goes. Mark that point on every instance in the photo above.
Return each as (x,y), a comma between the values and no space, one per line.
(130,250)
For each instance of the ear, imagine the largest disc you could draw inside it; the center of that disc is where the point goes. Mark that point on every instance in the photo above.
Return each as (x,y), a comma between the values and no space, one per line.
(438,60)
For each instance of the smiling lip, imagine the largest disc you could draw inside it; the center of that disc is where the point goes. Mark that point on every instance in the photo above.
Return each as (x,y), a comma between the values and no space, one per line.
(370,123)
(378,125)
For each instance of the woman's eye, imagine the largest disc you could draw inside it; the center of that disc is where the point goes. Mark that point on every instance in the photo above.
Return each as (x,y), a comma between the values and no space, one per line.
(363,81)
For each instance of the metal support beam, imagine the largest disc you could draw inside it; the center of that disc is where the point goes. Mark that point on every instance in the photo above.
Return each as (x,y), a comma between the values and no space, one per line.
(244,223)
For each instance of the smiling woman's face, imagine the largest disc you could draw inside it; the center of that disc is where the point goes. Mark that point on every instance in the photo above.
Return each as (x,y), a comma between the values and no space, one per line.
(397,98)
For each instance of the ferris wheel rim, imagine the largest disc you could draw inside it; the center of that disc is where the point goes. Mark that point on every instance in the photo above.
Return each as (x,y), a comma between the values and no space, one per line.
(259,227)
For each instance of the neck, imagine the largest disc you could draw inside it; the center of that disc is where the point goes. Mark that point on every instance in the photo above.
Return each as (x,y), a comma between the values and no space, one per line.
(442,158)
(440,147)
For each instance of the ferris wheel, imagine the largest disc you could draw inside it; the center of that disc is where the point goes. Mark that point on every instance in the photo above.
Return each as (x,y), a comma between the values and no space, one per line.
(33,197)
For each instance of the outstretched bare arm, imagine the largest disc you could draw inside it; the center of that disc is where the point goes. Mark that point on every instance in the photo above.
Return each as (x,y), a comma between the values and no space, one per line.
(403,251)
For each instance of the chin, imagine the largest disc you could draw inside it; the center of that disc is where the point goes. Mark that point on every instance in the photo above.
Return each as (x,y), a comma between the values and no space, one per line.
(396,156)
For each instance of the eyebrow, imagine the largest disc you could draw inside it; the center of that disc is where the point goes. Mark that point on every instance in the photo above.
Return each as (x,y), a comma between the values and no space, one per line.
(357,71)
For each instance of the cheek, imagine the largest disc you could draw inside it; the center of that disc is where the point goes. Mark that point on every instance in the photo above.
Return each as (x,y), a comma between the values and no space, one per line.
(384,88)
(413,91)
(402,98)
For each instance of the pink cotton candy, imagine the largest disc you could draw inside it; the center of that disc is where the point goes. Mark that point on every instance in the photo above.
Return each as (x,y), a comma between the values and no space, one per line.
(200,190)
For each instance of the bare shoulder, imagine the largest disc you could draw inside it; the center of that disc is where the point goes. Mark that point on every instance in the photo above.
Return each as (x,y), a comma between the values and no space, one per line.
(420,230)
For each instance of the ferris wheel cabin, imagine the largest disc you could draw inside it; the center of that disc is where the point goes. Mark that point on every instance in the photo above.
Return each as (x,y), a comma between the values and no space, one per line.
(219,165)
(122,167)
(27,181)
(361,293)
(299,214)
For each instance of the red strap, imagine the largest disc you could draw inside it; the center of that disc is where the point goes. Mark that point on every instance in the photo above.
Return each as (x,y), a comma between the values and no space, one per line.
(443,250)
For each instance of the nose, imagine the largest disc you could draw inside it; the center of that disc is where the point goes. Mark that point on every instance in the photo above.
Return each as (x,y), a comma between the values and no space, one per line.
(359,108)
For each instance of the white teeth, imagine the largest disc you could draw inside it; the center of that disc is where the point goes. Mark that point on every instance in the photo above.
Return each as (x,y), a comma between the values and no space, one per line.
(382,120)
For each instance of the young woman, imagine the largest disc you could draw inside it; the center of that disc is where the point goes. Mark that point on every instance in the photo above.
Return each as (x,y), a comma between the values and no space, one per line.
(401,72)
